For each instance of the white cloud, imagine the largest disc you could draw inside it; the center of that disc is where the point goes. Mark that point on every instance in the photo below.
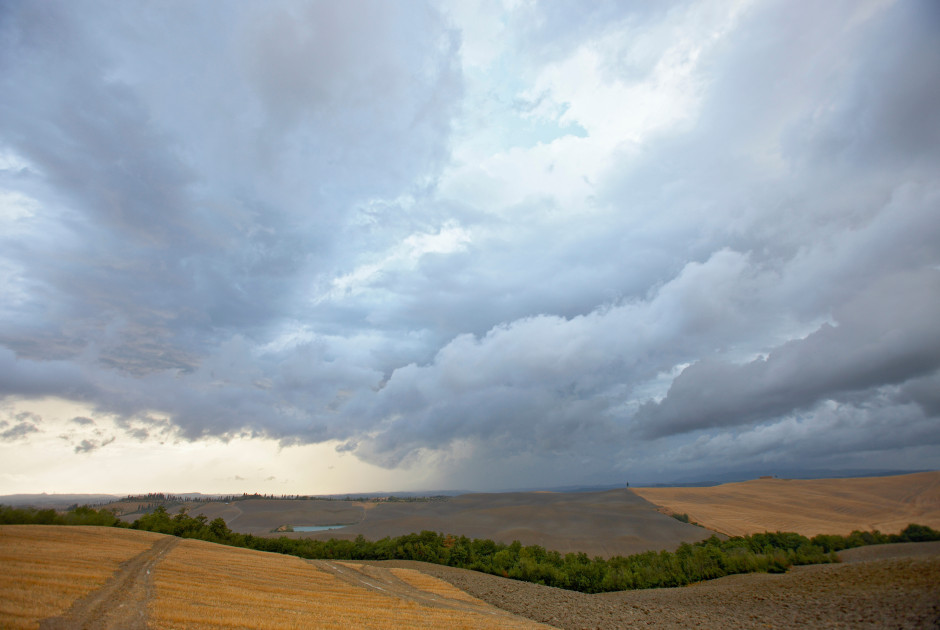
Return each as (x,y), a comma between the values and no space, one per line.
(403,257)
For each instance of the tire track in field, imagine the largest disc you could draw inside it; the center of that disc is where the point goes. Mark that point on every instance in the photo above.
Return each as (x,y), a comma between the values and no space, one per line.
(384,582)
(121,602)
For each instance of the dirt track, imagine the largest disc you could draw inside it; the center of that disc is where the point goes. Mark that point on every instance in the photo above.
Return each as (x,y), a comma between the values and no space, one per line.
(122,602)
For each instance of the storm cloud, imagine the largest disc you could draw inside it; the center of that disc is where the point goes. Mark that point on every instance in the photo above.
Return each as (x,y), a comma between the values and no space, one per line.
(512,243)
(874,343)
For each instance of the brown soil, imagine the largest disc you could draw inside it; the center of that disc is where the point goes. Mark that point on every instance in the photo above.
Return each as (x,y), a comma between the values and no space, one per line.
(890,586)
(808,506)
(122,601)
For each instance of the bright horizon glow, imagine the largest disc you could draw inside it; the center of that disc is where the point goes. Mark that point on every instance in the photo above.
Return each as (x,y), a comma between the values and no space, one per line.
(167,463)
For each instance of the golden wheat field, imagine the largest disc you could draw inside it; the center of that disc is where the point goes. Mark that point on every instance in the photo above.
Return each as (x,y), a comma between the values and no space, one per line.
(202,585)
(45,567)
(808,506)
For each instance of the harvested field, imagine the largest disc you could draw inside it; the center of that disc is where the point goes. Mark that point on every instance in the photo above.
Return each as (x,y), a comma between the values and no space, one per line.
(201,585)
(809,507)
(70,577)
(614,522)
(46,568)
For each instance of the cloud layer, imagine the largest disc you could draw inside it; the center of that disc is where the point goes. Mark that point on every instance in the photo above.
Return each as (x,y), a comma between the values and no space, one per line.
(508,243)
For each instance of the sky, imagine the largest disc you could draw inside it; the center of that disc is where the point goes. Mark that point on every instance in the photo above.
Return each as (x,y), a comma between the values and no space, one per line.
(326,247)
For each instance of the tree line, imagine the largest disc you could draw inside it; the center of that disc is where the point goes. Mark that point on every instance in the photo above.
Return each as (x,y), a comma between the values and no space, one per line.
(708,559)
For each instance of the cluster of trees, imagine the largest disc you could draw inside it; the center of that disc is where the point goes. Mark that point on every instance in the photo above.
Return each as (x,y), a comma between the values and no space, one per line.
(75,516)
(154,497)
(911,533)
(705,560)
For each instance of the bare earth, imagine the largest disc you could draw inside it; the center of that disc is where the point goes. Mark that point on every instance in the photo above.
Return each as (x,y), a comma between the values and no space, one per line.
(810,506)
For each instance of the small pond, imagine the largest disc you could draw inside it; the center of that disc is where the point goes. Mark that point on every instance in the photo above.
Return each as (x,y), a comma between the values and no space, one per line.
(316,528)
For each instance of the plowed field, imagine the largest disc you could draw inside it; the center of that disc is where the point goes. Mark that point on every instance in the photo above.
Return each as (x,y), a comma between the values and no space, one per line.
(886,586)
(613,522)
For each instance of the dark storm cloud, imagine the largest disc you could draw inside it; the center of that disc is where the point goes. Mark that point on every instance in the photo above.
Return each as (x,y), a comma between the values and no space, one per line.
(925,392)
(845,232)
(885,336)
(885,111)
(875,433)
(236,223)
(26,377)
(190,185)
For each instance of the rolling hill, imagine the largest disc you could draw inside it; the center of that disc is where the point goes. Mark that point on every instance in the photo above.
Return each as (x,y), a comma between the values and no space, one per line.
(808,506)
